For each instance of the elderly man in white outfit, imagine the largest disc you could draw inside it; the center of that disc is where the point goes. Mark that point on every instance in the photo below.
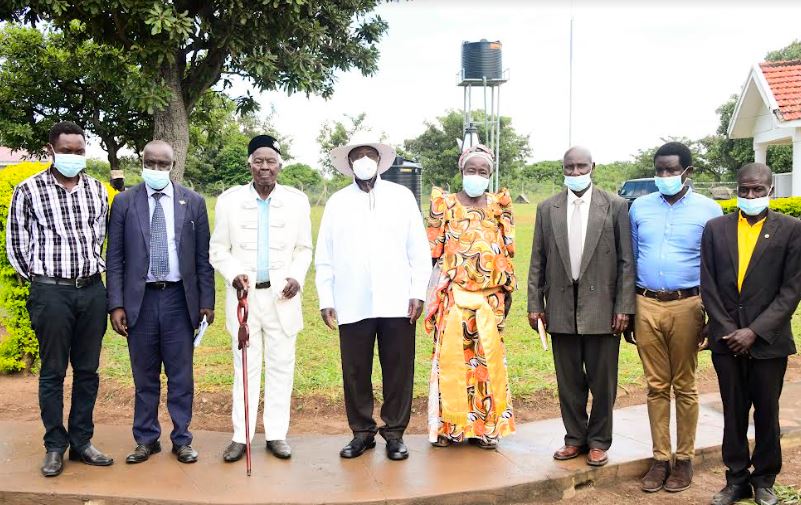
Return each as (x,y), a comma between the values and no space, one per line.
(262,244)
(373,266)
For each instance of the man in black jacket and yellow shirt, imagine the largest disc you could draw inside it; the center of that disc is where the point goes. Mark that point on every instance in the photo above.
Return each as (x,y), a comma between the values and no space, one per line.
(751,286)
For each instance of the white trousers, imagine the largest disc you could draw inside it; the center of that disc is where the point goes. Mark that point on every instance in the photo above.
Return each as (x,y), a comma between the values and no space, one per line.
(268,343)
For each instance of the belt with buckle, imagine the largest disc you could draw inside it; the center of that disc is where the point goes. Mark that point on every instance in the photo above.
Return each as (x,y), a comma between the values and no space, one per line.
(669,296)
(262,285)
(76,282)
(161,284)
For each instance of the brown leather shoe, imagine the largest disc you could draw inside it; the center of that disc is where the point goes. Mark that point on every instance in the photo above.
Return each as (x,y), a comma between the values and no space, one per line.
(567,452)
(655,479)
(681,477)
(597,457)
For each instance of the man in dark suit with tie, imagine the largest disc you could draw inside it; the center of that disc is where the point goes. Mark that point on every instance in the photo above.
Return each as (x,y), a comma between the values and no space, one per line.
(751,286)
(581,286)
(160,287)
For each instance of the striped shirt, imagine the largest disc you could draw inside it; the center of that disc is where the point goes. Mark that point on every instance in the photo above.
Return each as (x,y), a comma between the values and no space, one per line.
(55,232)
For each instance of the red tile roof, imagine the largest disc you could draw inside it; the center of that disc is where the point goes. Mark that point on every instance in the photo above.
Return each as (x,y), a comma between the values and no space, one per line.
(784,79)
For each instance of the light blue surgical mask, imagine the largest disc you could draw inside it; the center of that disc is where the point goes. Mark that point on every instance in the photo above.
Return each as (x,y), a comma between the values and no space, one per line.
(156,179)
(578,183)
(753,206)
(671,185)
(474,185)
(69,165)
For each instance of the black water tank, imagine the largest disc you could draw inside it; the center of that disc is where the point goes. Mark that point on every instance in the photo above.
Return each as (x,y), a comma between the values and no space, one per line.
(407,173)
(482,59)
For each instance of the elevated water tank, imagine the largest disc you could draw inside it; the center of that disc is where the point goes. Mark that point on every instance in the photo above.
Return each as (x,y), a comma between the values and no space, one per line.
(407,173)
(482,59)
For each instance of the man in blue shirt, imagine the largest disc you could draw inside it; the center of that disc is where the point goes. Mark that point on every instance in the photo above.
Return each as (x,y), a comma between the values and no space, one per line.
(666,229)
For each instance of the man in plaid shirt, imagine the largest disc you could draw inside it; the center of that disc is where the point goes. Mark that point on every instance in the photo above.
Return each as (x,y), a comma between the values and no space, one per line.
(55,232)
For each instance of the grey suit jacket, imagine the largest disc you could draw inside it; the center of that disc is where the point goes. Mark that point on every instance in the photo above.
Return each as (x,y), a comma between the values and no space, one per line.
(606,279)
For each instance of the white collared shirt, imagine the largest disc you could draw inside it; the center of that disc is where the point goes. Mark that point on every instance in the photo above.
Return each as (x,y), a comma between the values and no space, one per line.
(372,253)
(586,199)
(168,204)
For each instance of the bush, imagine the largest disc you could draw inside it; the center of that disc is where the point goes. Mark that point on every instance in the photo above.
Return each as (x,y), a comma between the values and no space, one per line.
(790,205)
(19,349)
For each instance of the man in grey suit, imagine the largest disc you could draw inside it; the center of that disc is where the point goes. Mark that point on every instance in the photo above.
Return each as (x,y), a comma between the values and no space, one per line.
(581,287)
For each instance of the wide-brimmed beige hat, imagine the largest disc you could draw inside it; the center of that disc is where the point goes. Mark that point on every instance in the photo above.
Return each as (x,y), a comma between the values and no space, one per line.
(339,155)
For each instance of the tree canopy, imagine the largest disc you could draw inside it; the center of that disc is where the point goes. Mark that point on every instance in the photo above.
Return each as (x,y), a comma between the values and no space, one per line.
(437,151)
(187,46)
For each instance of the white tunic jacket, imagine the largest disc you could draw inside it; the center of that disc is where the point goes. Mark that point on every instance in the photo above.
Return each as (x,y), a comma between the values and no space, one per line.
(372,253)
(234,246)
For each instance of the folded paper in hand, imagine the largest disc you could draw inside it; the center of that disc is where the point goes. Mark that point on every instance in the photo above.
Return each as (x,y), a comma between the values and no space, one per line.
(200,331)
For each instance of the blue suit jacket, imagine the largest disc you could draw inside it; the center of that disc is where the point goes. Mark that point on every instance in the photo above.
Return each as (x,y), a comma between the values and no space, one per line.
(128,252)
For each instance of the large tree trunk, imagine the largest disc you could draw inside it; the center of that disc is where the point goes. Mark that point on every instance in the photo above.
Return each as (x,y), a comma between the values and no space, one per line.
(171,124)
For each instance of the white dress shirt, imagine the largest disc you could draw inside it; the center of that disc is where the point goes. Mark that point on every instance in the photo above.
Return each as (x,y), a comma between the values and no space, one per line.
(372,253)
(168,204)
(586,198)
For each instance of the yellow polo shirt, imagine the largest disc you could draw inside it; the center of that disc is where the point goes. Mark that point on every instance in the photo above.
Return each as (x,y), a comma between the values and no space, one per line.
(747,236)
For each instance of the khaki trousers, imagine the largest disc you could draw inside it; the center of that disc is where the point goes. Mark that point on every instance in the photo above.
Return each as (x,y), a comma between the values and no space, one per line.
(667,339)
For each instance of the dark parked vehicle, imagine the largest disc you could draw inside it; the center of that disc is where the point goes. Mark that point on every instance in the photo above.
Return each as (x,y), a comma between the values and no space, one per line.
(635,188)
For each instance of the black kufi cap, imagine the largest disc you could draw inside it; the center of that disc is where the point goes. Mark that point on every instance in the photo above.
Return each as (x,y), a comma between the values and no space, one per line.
(263,141)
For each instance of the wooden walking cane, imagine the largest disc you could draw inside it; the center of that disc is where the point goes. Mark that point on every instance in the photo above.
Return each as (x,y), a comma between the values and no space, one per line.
(244,342)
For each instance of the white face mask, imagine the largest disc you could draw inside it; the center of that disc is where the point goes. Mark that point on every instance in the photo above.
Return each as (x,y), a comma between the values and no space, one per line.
(365,168)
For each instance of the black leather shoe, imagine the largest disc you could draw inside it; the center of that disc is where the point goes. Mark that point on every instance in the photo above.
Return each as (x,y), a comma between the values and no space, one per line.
(91,456)
(765,496)
(233,452)
(53,464)
(143,452)
(396,449)
(732,494)
(279,448)
(185,453)
(356,447)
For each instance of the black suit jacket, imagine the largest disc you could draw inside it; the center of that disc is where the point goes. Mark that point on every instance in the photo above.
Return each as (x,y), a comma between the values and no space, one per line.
(128,253)
(771,289)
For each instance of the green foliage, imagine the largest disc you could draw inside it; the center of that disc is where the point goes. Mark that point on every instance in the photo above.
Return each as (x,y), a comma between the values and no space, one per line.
(46,77)
(790,205)
(19,348)
(187,46)
(300,176)
(790,52)
(218,137)
(437,151)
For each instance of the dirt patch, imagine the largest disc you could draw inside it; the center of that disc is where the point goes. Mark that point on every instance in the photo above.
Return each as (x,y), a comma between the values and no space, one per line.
(212,410)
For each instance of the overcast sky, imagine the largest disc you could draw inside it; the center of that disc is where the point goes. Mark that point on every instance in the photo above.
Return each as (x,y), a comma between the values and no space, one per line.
(640,73)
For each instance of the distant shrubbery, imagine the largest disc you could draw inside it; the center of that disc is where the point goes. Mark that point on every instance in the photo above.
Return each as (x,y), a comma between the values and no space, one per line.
(790,206)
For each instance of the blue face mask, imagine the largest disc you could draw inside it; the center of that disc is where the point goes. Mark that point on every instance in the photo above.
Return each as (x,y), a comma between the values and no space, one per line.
(753,206)
(670,186)
(578,183)
(474,185)
(69,165)
(156,179)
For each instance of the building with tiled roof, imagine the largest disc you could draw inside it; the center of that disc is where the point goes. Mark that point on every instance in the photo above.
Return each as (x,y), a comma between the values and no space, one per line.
(769,111)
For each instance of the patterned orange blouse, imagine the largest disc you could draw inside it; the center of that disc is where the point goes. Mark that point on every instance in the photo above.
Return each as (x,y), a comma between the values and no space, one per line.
(475,245)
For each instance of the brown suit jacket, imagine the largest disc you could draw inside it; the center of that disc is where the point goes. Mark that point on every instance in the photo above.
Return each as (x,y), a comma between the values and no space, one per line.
(606,279)
(771,288)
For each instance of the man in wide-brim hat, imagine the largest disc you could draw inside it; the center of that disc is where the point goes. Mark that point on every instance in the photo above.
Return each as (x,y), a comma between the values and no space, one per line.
(373,266)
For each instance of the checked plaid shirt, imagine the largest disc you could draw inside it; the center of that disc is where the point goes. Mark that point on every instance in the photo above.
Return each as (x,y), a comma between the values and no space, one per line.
(55,232)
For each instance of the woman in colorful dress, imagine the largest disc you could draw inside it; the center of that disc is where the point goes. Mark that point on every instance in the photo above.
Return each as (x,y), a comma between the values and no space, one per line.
(471,234)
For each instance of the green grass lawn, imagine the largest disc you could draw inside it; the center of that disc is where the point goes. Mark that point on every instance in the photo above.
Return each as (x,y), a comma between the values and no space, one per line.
(317,371)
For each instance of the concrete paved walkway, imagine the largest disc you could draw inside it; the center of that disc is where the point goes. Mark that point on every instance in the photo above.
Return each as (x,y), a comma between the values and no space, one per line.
(521,470)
